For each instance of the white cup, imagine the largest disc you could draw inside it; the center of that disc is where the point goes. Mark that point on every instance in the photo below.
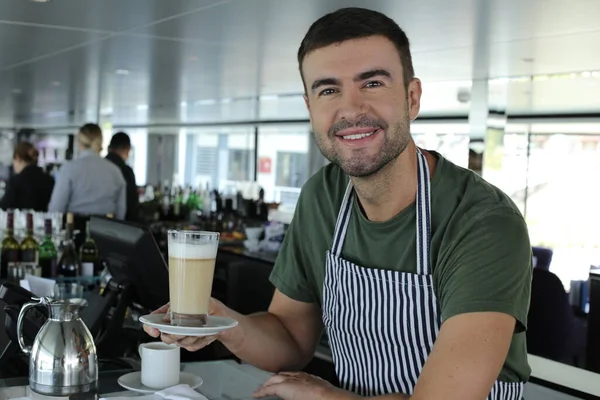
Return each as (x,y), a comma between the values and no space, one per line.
(160,365)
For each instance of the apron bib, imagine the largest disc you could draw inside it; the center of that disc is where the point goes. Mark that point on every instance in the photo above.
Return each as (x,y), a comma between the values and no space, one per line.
(382,324)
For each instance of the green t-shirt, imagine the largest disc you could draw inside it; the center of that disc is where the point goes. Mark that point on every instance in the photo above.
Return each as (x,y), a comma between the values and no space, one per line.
(480,249)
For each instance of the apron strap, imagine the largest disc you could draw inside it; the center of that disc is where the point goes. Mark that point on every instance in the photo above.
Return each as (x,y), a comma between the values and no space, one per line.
(423,219)
(423,215)
(343,220)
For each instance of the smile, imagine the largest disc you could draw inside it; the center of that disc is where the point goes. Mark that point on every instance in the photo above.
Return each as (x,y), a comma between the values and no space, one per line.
(358,136)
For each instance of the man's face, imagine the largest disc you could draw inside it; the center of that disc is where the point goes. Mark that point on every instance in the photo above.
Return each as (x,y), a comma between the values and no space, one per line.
(359,107)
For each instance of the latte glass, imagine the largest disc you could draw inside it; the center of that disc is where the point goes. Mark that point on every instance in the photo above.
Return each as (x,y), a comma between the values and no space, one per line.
(192,256)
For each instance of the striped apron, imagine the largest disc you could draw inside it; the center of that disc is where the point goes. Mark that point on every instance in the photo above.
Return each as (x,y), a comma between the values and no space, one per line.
(382,324)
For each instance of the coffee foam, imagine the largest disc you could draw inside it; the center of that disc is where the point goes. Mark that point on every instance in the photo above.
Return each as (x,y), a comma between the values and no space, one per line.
(193,251)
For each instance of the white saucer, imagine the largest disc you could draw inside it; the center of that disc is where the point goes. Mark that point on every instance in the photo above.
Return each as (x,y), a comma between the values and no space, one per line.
(133,382)
(214,325)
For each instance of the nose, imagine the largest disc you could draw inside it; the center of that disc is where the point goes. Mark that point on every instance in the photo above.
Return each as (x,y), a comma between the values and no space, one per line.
(352,105)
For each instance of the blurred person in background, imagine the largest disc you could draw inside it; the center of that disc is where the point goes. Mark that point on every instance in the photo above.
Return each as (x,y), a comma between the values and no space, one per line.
(118,153)
(89,185)
(30,187)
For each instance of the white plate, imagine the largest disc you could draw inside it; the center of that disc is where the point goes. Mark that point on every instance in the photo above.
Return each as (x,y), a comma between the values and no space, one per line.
(214,325)
(133,382)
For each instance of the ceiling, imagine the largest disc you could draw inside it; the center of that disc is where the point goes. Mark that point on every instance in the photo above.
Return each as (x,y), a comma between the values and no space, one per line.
(189,61)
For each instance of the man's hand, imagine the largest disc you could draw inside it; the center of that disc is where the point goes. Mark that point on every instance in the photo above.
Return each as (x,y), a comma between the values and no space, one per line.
(190,343)
(301,386)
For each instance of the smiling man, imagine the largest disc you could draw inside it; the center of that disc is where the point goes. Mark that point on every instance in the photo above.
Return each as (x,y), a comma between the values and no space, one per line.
(418,269)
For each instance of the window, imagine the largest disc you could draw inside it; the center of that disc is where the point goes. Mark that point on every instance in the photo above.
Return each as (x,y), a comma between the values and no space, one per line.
(562,201)
(505,164)
(550,177)
(206,164)
(451,140)
(283,162)
(219,156)
(239,160)
(292,169)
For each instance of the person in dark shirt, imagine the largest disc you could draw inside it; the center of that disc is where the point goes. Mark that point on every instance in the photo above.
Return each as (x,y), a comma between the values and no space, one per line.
(118,152)
(30,187)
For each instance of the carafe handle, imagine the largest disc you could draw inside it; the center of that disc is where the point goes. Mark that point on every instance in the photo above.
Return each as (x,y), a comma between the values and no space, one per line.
(36,302)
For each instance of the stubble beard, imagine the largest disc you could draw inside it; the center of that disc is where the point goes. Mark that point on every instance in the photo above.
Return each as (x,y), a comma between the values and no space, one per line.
(359,164)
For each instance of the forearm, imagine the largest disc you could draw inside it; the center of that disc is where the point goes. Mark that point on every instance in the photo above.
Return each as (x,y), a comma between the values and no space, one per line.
(262,340)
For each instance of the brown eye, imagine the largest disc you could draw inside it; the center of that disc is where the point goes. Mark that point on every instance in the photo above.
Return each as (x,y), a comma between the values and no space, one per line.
(327,92)
(372,84)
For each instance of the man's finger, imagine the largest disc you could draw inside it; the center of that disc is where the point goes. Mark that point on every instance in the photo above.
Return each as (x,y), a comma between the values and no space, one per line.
(291,374)
(271,390)
(195,342)
(275,379)
(198,345)
(151,331)
(174,337)
(190,341)
(170,339)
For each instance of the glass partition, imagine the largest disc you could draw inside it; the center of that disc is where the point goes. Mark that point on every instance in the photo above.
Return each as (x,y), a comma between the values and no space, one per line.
(506,163)
(451,140)
(283,162)
(218,156)
(562,201)
(282,107)
(548,170)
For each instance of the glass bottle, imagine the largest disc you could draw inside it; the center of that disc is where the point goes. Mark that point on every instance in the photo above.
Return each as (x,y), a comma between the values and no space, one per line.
(48,252)
(88,254)
(9,247)
(68,265)
(29,249)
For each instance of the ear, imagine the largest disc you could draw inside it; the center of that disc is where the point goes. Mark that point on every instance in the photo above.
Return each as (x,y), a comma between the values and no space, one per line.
(306,102)
(414,98)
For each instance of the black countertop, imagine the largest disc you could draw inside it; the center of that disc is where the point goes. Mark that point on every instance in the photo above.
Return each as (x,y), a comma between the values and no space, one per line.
(107,381)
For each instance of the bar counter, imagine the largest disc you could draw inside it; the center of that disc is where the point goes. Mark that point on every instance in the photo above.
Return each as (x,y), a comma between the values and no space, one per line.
(229,380)
(223,380)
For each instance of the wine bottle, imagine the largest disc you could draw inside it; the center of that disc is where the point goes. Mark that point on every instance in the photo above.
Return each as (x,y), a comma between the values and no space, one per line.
(68,264)
(48,252)
(178,203)
(88,254)
(9,248)
(30,249)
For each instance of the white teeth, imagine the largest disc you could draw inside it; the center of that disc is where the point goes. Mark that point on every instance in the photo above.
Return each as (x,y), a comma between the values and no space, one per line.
(358,136)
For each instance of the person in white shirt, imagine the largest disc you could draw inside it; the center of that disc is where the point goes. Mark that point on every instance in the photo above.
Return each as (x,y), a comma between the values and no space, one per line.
(90,184)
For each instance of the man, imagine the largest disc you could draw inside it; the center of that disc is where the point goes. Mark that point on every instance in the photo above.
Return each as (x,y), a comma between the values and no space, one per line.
(118,152)
(418,269)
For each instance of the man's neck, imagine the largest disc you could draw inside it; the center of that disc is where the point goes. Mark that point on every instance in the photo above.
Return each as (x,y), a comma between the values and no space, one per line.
(119,154)
(385,194)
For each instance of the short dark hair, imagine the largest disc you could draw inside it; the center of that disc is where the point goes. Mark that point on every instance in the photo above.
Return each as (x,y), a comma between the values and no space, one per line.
(356,23)
(120,141)
(26,152)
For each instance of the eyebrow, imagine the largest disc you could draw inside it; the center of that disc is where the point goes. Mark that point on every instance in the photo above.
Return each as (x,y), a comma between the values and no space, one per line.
(360,77)
(372,74)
